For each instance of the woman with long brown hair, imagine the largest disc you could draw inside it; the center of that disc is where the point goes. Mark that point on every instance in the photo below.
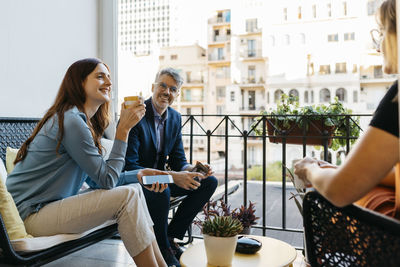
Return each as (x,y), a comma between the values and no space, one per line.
(65,149)
(369,174)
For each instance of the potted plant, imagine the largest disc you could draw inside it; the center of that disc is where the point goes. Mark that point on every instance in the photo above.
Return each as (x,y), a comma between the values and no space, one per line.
(246,215)
(317,124)
(220,237)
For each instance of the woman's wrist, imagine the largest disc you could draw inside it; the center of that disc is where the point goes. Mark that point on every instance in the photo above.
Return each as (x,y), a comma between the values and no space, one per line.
(122,134)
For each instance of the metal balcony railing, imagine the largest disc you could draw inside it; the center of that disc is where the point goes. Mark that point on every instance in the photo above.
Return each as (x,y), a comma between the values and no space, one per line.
(227,130)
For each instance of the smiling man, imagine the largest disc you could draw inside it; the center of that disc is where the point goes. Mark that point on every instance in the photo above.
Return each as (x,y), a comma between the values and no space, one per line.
(154,139)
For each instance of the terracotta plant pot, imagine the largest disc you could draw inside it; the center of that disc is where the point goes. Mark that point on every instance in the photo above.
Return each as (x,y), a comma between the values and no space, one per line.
(220,250)
(315,135)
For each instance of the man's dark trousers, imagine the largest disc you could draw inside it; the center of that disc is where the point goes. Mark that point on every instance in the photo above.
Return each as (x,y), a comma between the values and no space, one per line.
(158,205)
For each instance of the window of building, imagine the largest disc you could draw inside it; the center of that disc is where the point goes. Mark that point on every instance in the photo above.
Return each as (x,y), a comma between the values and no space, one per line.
(373,6)
(333,37)
(222,72)
(268,97)
(341,67)
(220,110)
(324,69)
(252,100)
(294,92)
(188,78)
(161,57)
(314,11)
(349,36)
(174,57)
(341,94)
(324,96)
(286,39)
(189,111)
(305,96)
(378,73)
(285,18)
(344,8)
(355,96)
(271,40)
(220,53)
(251,25)
(277,95)
(232,96)
(299,12)
(220,92)
(312,96)
(329,10)
(251,71)
(187,95)
(251,48)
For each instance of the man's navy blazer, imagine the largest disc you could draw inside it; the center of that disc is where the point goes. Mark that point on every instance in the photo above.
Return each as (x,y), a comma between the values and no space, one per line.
(142,142)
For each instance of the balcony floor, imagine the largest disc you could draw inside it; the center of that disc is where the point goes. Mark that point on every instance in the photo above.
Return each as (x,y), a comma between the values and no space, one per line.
(113,253)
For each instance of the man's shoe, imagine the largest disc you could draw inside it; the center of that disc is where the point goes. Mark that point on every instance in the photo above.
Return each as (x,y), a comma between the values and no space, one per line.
(175,248)
(169,257)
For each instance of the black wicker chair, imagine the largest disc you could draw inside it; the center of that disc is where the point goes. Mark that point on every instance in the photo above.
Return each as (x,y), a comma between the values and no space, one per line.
(13,132)
(349,236)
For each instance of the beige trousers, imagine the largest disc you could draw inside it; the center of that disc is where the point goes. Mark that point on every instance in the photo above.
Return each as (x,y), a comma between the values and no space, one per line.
(79,213)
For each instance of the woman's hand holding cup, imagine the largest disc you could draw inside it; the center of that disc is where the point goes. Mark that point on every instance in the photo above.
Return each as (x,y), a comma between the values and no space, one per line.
(132,111)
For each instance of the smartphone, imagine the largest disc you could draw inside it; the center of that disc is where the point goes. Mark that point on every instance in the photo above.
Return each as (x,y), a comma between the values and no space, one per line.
(161,179)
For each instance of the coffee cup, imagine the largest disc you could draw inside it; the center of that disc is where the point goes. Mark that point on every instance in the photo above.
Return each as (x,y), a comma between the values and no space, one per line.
(129,101)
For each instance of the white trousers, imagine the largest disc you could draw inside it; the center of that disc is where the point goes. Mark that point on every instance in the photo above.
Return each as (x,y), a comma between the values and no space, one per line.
(79,213)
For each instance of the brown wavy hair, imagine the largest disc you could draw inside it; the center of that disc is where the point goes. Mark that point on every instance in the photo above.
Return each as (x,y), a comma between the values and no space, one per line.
(70,94)
(386,17)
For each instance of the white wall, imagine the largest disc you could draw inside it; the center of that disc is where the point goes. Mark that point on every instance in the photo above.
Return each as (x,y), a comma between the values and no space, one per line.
(38,41)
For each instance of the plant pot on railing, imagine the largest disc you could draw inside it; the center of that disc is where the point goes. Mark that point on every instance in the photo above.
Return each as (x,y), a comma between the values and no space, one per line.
(309,132)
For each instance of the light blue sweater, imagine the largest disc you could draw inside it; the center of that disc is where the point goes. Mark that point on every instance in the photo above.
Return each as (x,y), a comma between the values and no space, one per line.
(45,176)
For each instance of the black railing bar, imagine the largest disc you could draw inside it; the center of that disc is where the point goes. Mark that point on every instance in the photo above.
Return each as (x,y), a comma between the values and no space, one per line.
(253,127)
(278,136)
(188,119)
(226,157)
(347,134)
(276,228)
(233,123)
(283,183)
(218,125)
(191,140)
(359,127)
(245,168)
(264,176)
(208,146)
(201,127)
(277,115)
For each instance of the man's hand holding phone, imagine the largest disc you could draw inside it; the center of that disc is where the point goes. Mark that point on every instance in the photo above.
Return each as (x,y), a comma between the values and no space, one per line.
(204,169)
(153,180)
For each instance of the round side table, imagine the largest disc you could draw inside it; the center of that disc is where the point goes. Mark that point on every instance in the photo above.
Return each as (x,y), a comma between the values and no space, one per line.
(273,253)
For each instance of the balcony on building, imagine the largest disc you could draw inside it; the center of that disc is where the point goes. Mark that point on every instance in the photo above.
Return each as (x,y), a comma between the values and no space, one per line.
(220,58)
(253,81)
(252,55)
(223,17)
(374,74)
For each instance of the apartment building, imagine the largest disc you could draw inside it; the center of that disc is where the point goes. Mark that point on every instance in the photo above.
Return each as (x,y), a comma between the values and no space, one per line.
(191,61)
(145,25)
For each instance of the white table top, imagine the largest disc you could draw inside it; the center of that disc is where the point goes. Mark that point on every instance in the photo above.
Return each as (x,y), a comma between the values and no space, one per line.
(272,253)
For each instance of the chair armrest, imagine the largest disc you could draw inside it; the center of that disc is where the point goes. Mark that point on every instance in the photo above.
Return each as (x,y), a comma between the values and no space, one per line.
(349,236)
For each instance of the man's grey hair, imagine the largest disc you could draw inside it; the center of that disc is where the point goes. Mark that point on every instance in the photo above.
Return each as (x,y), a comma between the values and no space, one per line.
(173,73)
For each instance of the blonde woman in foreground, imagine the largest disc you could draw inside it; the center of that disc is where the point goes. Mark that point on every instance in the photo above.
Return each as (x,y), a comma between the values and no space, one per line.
(371,171)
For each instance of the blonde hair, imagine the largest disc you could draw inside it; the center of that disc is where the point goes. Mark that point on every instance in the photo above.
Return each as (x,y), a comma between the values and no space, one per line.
(387,21)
